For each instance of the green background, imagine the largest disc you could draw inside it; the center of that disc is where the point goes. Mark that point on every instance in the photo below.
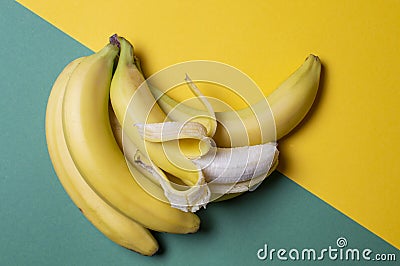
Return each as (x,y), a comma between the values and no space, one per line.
(41,226)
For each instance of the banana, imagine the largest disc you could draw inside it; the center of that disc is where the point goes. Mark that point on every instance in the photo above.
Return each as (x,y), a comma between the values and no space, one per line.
(95,152)
(246,129)
(116,226)
(134,104)
(289,104)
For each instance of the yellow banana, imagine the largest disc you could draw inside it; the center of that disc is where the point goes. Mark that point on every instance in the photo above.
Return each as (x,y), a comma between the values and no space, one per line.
(96,153)
(134,104)
(289,104)
(106,219)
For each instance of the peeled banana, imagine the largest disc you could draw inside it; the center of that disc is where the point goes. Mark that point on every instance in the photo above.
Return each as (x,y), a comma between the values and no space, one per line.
(134,105)
(242,136)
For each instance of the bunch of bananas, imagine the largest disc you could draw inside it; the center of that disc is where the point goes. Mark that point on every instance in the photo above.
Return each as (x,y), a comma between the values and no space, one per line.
(133,159)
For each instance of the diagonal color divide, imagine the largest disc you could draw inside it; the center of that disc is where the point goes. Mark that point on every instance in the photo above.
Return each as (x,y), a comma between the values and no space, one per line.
(346,152)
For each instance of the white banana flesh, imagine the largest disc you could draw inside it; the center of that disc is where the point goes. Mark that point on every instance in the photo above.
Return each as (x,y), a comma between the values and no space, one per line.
(230,165)
(220,189)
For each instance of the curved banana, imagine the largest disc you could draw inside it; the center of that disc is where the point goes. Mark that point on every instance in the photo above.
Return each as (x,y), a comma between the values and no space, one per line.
(289,104)
(134,104)
(116,226)
(96,154)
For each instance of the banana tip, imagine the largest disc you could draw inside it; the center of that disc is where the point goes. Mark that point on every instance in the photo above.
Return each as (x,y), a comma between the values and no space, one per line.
(313,56)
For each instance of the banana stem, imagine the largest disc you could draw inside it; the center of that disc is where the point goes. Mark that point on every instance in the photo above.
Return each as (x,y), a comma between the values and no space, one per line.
(114,40)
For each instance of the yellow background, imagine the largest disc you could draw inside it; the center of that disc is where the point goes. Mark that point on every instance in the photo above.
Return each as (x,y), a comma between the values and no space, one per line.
(347,150)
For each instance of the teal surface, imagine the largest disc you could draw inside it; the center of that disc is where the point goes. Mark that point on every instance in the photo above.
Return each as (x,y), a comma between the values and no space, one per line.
(41,226)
